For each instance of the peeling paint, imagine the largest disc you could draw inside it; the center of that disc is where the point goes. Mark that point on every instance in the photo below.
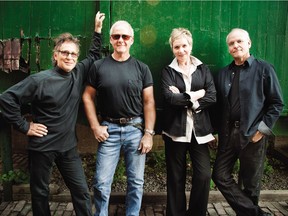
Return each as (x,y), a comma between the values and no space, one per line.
(9,55)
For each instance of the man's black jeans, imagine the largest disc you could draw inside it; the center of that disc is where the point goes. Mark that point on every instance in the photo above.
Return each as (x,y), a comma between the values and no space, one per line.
(70,167)
(242,197)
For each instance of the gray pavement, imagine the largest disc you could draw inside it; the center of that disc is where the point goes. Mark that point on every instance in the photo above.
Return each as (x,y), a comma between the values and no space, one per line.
(23,208)
(275,202)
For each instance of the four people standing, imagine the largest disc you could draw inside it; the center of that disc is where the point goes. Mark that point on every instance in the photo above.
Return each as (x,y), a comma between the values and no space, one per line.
(188,90)
(123,87)
(249,101)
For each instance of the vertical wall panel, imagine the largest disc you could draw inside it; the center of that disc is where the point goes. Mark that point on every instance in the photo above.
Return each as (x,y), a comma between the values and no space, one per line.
(209,22)
(14,17)
(41,21)
(153,20)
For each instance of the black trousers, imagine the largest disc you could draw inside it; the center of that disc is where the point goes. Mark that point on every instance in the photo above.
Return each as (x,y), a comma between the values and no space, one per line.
(243,196)
(176,163)
(70,167)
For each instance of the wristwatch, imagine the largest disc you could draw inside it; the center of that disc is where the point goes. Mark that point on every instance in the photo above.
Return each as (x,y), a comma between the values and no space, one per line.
(151,132)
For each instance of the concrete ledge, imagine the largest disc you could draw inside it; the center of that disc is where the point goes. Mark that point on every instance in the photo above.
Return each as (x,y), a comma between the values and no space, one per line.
(160,197)
(25,189)
(214,196)
(274,195)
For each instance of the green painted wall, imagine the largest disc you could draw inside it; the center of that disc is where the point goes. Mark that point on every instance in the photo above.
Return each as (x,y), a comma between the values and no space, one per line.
(209,22)
(40,22)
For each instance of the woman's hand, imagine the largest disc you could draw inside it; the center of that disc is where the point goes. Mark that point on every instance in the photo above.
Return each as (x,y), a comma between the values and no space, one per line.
(174,89)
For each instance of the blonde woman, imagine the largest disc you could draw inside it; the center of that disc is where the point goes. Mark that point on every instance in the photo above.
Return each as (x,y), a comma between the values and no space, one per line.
(188,90)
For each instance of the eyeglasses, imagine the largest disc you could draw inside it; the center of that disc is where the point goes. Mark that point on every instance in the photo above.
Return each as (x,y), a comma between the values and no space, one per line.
(67,53)
(117,37)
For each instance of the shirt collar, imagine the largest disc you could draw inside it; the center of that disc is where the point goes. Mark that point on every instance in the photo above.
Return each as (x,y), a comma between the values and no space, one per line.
(174,64)
(62,72)
(247,63)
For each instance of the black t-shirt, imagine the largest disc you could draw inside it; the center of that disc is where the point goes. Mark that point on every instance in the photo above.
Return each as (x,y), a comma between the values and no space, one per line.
(119,86)
(234,94)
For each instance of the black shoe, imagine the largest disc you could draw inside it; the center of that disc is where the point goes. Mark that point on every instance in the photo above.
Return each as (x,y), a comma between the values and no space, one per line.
(262,213)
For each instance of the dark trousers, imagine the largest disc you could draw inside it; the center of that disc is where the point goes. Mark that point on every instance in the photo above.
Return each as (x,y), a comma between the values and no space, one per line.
(175,153)
(242,196)
(70,167)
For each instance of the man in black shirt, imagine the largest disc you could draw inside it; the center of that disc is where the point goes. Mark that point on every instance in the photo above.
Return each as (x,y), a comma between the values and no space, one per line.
(249,102)
(124,89)
(54,96)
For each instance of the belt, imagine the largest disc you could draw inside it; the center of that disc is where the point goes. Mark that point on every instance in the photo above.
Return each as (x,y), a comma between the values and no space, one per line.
(236,124)
(121,121)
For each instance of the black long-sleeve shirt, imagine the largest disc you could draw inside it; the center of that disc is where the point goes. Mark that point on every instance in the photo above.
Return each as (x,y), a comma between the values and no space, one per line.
(54,96)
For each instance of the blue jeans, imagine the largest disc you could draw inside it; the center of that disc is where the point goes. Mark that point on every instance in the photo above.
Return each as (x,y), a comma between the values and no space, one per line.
(70,167)
(126,138)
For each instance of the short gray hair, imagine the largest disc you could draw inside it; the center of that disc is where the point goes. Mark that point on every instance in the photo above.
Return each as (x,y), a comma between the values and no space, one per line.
(119,22)
(241,30)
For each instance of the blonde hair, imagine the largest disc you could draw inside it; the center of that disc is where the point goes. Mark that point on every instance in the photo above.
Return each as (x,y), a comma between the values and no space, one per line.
(180,32)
